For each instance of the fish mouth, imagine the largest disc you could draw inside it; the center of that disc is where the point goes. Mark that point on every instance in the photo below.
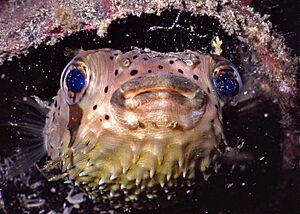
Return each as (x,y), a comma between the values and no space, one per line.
(160,97)
(168,83)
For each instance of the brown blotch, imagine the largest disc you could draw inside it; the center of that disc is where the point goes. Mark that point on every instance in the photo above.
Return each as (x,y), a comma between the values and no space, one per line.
(106,117)
(171,62)
(95,107)
(111,57)
(116,72)
(134,57)
(160,67)
(75,116)
(149,71)
(195,77)
(208,90)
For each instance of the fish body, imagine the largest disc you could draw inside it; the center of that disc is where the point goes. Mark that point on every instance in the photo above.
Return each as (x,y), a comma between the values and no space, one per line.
(136,128)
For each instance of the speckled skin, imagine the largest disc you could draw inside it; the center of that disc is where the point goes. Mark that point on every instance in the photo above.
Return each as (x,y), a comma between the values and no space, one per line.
(146,124)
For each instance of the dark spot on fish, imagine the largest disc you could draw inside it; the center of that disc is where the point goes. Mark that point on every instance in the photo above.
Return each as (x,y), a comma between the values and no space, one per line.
(141,125)
(212,121)
(116,72)
(133,72)
(106,117)
(115,54)
(95,107)
(145,58)
(55,103)
(134,57)
(216,106)
(106,89)
(149,71)
(180,71)
(171,62)
(195,77)
(111,57)
(208,90)
(160,67)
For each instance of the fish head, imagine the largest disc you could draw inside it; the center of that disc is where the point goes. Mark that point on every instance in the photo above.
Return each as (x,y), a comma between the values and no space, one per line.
(140,117)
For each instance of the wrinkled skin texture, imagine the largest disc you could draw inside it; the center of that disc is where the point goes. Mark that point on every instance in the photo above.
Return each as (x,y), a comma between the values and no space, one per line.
(145,122)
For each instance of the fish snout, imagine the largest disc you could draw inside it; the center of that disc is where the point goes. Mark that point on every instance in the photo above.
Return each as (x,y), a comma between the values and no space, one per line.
(160,101)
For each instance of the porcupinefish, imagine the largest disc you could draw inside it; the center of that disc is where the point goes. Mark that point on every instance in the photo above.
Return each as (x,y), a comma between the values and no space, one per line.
(135,129)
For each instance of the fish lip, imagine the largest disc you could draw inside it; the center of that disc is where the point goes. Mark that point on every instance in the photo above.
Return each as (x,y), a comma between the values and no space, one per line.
(144,91)
(165,82)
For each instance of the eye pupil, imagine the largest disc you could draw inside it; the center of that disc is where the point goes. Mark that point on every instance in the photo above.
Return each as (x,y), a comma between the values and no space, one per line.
(75,81)
(227,85)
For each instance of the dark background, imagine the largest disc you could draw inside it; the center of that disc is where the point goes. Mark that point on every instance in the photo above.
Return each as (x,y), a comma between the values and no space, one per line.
(259,187)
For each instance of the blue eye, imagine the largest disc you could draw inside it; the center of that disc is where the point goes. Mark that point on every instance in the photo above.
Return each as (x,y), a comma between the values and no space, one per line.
(226,84)
(75,80)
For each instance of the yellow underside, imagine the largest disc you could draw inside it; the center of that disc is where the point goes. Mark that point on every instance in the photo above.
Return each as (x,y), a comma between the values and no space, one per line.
(111,169)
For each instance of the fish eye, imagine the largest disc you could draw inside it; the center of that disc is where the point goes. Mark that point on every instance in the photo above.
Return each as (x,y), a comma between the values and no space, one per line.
(227,82)
(74,81)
